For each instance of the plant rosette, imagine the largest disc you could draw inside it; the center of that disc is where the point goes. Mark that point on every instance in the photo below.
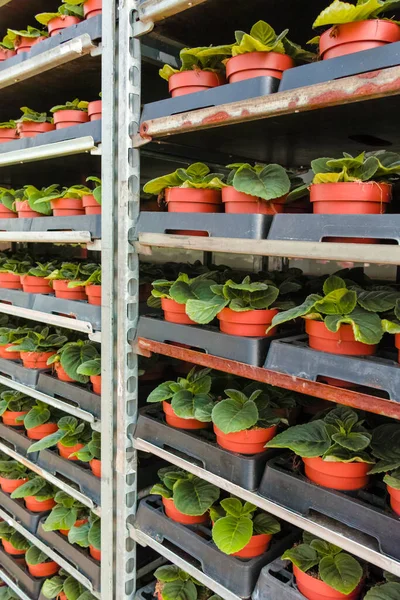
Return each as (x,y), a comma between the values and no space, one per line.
(323,570)
(24,39)
(88,535)
(37,347)
(68,14)
(92,8)
(92,202)
(12,475)
(8,132)
(186,498)
(70,114)
(14,406)
(37,421)
(13,542)
(39,564)
(64,587)
(6,49)
(335,450)
(92,284)
(37,494)
(67,274)
(8,336)
(34,282)
(385,591)
(24,210)
(67,513)
(7,200)
(385,449)
(70,357)
(70,437)
(173,582)
(91,453)
(32,123)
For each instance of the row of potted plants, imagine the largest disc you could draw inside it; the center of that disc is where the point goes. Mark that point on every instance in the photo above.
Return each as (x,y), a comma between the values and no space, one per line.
(64,587)
(171,581)
(33,123)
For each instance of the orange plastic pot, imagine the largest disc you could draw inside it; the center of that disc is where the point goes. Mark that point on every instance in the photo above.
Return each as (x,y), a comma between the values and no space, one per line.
(44,569)
(69,118)
(6,213)
(174,312)
(36,285)
(9,485)
(316,589)
(9,418)
(35,506)
(240,203)
(9,548)
(66,451)
(9,355)
(61,22)
(193,201)
(6,54)
(8,135)
(91,206)
(189,82)
(94,110)
(355,37)
(61,290)
(41,431)
(61,374)
(62,596)
(95,465)
(10,281)
(94,553)
(249,323)
(36,360)
(298,207)
(397,343)
(78,523)
(251,441)
(67,207)
(394,499)
(256,546)
(176,515)
(92,8)
(24,210)
(31,129)
(24,44)
(257,64)
(96,383)
(350,198)
(340,342)
(93,293)
(175,421)
(337,475)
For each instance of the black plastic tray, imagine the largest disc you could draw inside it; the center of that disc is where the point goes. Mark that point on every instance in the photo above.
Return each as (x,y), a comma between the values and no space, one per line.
(235,574)
(366,510)
(17,440)
(17,510)
(30,585)
(202,449)
(276,582)
(89,26)
(78,557)
(17,372)
(76,393)
(91,223)
(335,68)
(294,357)
(223,94)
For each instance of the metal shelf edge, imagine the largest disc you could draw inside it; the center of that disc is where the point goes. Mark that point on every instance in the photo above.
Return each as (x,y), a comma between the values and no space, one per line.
(11,584)
(48,237)
(151,11)
(50,319)
(47,151)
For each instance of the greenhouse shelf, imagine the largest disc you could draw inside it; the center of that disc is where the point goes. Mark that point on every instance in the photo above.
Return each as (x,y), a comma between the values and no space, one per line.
(11,584)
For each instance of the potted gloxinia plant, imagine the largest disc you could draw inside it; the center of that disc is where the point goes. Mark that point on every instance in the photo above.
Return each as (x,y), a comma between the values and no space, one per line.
(185,497)
(386,449)
(37,346)
(64,202)
(92,202)
(201,69)
(7,201)
(39,564)
(88,535)
(187,403)
(61,277)
(12,475)
(261,189)
(355,26)
(67,513)
(92,369)
(24,39)
(8,336)
(70,114)
(6,48)
(13,542)
(24,198)
(263,53)
(91,280)
(240,529)
(70,437)
(70,357)
(68,14)
(91,453)
(14,405)
(62,584)
(34,279)
(31,123)
(6,593)
(37,493)
(173,582)
(39,421)
(8,131)
(11,269)
(387,590)
(335,450)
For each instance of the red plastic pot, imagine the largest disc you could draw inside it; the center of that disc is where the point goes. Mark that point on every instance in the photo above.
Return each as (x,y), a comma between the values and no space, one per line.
(316,589)
(176,515)
(36,360)
(257,64)
(6,54)
(9,548)
(93,293)
(394,499)
(249,323)
(341,342)
(9,485)
(62,596)
(251,441)
(24,44)
(9,355)
(355,37)
(397,343)
(78,523)
(36,285)
(189,200)
(31,129)
(337,475)
(95,465)
(69,118)
(174,312)
(45,569)
(188,82)
(35,506)
(61,290)
(10,281)
(24,210)
(41,431)
(92,8)
(350,198)
(9,418)
(94,553)
(239,203)
(67,207)
(8,135)
(175,421)
(256,546)
(61,374)
(94,110)
(66,451)
(91,206)
(61,22)
(96,383)
(6,213)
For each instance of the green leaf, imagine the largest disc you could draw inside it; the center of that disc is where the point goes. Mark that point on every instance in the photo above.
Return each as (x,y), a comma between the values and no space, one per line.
(167,573)
(79,535)
(299,311)
(60,518)
(303,556)
(232,506)
(386,591)
(339,302)
(309,440)
(179,590)
(34,556)
(160,490)
(385,443)
(73,589)
(183,404)
(95,533)
(194,496)
(333,283)
(30,488)
(366,325)
(52,587)
(180,292)
(161,392)
(264,523)
(324,548)
(341,572)
(352,441)
(393,480)
(204,312)
(232,534)
(270,183)
(263,33)
(232,415)
(73,355)
(38,415)
(343,12)
(48,441)
(378,300)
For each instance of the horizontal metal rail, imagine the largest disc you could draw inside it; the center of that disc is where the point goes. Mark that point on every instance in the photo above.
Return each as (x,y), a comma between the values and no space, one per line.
(145,540)
(50,552)
(55,402)
(344,396)
(336,533)
(47,237)
(48,318)
(361,253)
(64,148)
(51,478)
(47,60)
(157,10)
(11,584)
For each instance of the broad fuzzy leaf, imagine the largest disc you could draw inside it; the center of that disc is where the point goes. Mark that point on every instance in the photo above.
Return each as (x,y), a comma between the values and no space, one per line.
(341,572)
(377,301)
(231,534)
(309,440)
(339,302)
(232,415)
(303,556)
(52,587)
(203,312)
(343,12)
(299,311)
(270,183)
(194,496)
(333,283)
(167,573)
(366,325)
(352,441)
(179,590)
(386,591)
(264,523)
(60,518)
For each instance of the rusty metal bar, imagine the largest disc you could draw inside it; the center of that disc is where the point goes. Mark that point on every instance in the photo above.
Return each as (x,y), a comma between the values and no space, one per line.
(357,88)
(379,406)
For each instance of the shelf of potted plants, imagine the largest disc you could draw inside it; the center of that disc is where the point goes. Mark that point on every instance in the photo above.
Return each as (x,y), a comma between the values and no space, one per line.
(9,581)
